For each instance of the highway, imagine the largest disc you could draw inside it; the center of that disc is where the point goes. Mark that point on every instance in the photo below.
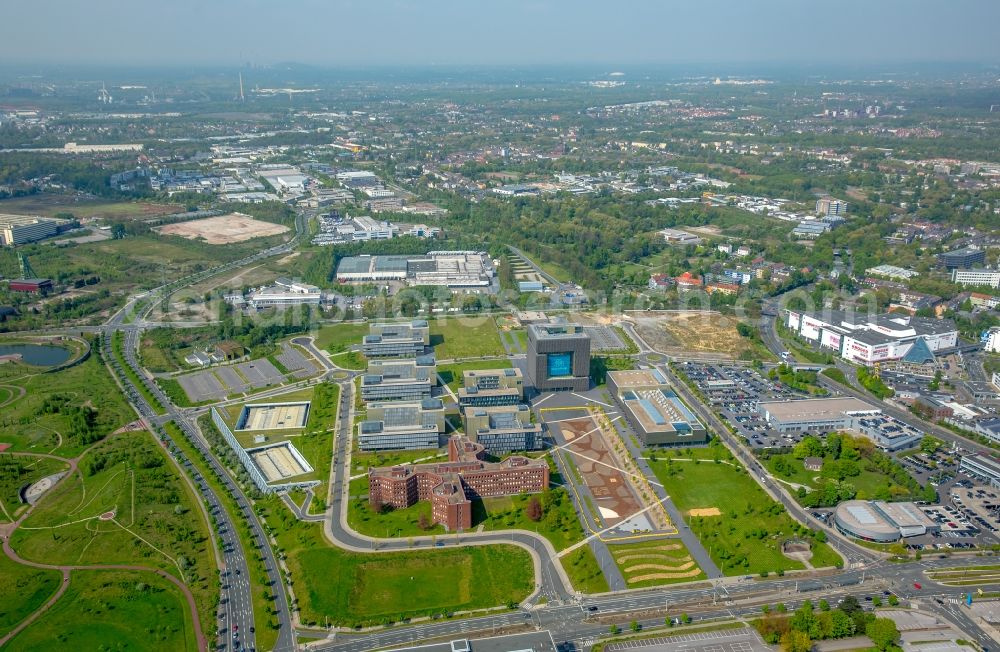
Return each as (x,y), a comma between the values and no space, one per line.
(237,622)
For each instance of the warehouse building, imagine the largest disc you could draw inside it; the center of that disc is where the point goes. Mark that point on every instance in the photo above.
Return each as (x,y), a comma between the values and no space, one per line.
(22,229)
(452,269)
(653,410)
(880,521)
(820,415)
(285,292)
(452,486)
(558,357)
(503,428)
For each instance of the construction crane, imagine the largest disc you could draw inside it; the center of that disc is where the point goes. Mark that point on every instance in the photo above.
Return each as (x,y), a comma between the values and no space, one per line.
(26,271)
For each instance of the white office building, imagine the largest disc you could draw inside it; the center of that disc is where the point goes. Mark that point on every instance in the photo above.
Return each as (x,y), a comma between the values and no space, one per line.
(990,277)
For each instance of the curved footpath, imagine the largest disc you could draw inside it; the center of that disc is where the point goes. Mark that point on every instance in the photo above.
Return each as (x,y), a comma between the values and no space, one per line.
(66,569)
(551,578)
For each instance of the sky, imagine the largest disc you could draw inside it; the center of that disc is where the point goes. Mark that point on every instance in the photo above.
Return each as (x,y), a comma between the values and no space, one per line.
(353,33)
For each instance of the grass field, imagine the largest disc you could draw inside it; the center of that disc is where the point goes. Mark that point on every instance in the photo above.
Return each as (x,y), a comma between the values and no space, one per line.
(365,589)
(654,563)
(113,610)
(558,524)
(583,571)
(747,536)
(43,421)
(155,521)
(19,471)
(349,360)
(50,205)
(340,337)
(870,483)
(460,338)
(23,590)
(451,374)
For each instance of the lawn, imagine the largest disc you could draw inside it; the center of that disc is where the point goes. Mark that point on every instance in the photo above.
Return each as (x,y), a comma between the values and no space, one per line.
(339,337)
(45,421)
(349,360)
(461,338)
(128,474)
(17,472)
(558,523)
(365,589)
(654,563)
(23,590)
(870,482)
(747,534)
(113,610)
(451,374)
(583,571)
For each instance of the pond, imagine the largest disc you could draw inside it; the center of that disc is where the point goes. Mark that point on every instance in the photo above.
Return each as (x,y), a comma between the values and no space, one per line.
(39,355)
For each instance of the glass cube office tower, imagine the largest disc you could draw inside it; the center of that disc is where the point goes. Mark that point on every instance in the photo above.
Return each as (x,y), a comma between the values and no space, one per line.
(558,357)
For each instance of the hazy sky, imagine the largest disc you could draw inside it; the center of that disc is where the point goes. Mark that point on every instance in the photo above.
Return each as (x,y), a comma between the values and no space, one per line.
(462,32)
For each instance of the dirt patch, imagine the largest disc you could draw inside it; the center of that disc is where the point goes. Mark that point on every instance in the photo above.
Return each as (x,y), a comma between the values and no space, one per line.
(705,511)
(224,229)
(704,332)
(705,230)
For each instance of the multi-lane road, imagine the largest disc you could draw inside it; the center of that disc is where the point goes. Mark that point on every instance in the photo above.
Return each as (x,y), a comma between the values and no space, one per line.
(572,618)
(585,620)
(237,624)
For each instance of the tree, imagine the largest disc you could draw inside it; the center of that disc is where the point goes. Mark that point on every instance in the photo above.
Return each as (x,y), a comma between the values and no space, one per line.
(824,605)
(841,624)
(635,626)
(614,629)
(534,509)
(423,522)
(795,641)
(118,231)
(804,620)
(883,633)
(810,446)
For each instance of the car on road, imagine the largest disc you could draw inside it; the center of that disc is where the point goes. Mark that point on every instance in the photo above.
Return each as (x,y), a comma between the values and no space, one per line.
(917,586)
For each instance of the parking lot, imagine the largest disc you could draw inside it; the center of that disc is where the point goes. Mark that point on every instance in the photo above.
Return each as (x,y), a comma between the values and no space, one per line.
(735,393)
(604,338)
(295,361)
(218,383)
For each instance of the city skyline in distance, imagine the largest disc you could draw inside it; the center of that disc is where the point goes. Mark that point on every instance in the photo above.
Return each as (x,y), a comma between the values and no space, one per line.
(518,32)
